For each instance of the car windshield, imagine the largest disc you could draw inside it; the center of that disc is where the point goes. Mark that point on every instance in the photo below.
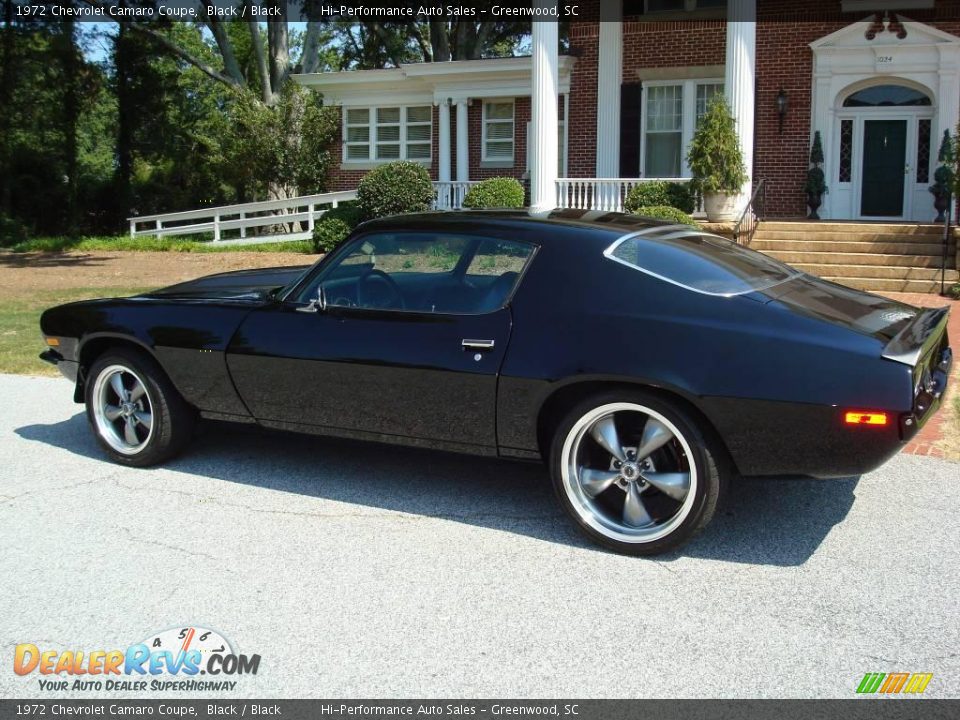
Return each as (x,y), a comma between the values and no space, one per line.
(703,263)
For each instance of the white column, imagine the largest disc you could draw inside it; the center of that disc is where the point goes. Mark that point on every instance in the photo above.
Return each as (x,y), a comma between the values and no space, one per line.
(609,74)
(543,116)
(740,78)
(443,142)
(463,142)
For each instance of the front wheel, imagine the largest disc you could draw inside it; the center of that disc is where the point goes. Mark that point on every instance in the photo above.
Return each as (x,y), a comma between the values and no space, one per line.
(635,472)
(137,415)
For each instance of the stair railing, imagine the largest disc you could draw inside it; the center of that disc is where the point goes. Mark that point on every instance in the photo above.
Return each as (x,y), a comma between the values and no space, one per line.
(746,227)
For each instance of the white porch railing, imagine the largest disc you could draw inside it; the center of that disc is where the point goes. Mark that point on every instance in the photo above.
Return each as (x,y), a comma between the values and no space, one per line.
(450,193)
(606,194)
(279,217)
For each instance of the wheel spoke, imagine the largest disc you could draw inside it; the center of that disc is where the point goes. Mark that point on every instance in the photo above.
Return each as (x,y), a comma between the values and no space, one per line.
(111,412)
(634,512)
(676,485)
(595,482)
(655,436)
(138,392)
(116,382)
(144,418)
(604,431)
(130,432)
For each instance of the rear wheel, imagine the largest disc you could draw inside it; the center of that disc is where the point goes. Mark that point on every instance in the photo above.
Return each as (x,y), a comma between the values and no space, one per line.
(635,472)
(136,414)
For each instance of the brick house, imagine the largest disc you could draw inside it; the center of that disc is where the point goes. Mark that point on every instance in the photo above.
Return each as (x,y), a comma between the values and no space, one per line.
(879,79)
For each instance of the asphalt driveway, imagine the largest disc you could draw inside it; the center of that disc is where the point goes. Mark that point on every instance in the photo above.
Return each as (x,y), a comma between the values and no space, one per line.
(360,570)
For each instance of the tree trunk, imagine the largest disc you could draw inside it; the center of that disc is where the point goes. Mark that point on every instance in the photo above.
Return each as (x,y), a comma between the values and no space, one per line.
(121,54)
(6,95)
(71,113)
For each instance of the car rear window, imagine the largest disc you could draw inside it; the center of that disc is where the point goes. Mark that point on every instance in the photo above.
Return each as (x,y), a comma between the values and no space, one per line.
(700,262)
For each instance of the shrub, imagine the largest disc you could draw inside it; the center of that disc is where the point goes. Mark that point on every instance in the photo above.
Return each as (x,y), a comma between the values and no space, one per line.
(395,188)
(715,156)
(665,212)
(659,193)
(498,192)
(11,231)
(349,212)
(329,232)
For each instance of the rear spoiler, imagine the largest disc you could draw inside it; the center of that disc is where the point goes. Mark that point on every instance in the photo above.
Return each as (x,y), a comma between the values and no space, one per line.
(918,338)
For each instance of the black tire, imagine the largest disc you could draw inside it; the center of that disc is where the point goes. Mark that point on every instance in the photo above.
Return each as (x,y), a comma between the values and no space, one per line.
(172,420)
(595,516)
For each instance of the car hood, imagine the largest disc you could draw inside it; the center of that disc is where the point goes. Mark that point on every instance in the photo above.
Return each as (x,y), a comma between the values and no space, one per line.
(861,312)
(237,285)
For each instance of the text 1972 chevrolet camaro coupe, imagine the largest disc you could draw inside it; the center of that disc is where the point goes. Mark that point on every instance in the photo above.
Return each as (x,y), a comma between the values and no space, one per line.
(645,362)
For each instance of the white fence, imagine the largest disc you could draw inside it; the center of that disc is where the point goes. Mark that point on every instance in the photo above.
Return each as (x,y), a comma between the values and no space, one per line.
(272,220)
(450,193)
(606,194)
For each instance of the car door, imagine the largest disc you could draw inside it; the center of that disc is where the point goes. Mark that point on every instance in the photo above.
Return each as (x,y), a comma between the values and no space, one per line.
(409,344)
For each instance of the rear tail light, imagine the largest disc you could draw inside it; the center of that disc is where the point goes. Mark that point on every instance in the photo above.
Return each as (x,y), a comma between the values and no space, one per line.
(862,417)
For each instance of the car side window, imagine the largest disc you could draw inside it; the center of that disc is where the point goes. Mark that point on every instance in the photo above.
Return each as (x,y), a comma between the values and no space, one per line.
(425,272)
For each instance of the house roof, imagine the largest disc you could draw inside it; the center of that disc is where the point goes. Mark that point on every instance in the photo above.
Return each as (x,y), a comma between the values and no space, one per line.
(432,82)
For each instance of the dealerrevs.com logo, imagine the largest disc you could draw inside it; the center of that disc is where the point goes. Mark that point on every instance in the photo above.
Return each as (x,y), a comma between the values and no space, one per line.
(894,683)
(171,660)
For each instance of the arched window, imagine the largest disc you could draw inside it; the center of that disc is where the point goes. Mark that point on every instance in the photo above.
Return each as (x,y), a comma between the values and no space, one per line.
(887,96)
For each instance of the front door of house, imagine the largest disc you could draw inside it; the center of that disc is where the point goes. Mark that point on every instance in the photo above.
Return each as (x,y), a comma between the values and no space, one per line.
(884,168)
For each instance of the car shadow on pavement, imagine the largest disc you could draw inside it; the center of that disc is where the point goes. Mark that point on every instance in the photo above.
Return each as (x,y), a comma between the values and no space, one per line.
(762,521)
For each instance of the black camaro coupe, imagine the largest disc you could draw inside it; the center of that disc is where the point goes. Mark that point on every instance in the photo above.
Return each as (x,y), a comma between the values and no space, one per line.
(646,363)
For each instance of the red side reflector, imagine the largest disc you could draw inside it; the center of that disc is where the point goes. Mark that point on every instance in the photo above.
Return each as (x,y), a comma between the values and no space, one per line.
(859,417)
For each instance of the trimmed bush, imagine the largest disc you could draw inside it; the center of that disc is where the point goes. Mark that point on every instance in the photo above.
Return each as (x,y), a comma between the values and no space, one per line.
(349,212)
(665,212)
(498,192)
(328,233)
(395,188)
(660,193)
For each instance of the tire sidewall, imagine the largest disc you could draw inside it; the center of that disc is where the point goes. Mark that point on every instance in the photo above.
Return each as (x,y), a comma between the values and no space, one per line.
(708,479)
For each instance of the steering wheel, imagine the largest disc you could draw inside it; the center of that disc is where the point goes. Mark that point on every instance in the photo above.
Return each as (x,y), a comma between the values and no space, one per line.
(376,289)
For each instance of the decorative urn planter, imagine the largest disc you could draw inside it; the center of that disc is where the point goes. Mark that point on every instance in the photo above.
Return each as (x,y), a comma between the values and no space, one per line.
(720,207)
(814,200)
(941,202)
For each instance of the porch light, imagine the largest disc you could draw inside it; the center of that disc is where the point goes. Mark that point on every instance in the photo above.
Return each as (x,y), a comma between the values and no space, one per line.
(782,107)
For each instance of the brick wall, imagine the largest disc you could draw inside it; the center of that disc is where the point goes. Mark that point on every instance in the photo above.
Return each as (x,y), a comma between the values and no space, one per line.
(582,142)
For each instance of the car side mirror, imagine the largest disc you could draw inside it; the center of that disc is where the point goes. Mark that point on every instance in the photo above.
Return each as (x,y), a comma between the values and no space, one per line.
(318,304)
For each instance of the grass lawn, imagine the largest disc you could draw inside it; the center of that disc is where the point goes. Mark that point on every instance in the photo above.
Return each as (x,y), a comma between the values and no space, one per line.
(20,340)
(151,244)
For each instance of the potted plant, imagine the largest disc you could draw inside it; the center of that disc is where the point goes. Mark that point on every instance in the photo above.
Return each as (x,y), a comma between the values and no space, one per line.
(816,185)
(943,177)
(716,162)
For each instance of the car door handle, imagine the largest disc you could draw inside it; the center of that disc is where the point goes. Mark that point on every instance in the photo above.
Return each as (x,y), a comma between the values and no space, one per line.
(477,344)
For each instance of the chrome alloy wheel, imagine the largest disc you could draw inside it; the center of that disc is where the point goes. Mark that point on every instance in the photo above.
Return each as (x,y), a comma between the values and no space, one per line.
(122,409)
(629,472)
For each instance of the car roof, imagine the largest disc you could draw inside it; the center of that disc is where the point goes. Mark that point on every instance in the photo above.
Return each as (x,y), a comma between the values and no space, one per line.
(607,224)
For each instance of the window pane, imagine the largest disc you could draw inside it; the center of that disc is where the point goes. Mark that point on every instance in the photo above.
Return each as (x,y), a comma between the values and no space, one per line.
(498,111)
(388,151)
(663,155)
(499,131)
(705,93)
(418,132)
(358,116)
(388,133)
(664,107)
(500,150)
(705,263)
(887,96)
(388,115)
(923,152)
(418,151)
(665,5)
(358,134)
(358,152)
(419,114)
(711,3)
(846,150)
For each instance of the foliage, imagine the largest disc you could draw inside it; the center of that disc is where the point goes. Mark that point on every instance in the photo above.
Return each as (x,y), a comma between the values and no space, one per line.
(11,231)
(659,193)
(666,212)
(349,212)
(498,192)
(126,243)
(944,177)
(328,233)
(816,182)
(715,156)
(954,292)
(395,188)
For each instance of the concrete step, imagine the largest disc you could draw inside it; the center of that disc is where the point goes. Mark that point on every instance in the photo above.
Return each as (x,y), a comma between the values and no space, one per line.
(888,272)
(792,257)
(882,248)
(834,236)
(888,284)
(851,227)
